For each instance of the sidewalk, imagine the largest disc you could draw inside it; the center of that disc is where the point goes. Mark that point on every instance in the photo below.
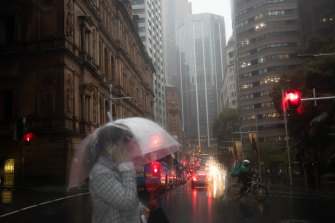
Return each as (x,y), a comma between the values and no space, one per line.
(327,188)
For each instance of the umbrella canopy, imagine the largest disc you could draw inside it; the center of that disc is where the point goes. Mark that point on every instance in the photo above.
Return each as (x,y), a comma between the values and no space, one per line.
(149,141)
(154,142)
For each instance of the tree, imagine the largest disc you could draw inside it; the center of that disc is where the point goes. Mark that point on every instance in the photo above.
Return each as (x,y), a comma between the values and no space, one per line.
(311,131)
(225,124)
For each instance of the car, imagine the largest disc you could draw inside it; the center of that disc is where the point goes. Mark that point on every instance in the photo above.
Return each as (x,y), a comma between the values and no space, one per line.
(200,179)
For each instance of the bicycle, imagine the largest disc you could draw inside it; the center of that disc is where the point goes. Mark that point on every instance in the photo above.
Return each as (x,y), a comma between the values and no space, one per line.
(258,190)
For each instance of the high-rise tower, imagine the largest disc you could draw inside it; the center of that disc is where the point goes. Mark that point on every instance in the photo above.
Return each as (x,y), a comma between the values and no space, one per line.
(201,43)
(150,31)
(267,36)
(173,10)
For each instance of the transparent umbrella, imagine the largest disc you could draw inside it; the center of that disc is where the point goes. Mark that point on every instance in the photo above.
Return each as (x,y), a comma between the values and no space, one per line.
(149,142)
(154,142)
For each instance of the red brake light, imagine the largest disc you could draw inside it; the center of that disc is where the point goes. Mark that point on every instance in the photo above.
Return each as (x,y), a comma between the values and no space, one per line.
(194,179)
(155,170)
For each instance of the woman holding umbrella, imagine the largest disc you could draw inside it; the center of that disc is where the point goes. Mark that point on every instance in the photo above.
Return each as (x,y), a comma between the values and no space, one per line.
(112,180)
(107,156)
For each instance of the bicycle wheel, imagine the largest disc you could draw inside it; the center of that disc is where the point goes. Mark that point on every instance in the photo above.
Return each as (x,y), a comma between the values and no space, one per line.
(260,192)
(234,192)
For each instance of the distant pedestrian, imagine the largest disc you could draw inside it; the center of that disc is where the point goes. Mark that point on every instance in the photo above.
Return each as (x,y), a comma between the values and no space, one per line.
(112,180)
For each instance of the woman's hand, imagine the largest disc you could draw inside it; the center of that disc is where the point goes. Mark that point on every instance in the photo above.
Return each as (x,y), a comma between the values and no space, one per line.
(145,211)
(121,155)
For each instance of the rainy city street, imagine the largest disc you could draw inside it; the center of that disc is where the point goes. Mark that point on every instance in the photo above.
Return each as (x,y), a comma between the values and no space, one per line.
(180,204)
(167,111)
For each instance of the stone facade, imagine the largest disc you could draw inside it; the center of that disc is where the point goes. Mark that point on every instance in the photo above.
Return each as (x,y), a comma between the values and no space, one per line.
(173,112)
(60,60)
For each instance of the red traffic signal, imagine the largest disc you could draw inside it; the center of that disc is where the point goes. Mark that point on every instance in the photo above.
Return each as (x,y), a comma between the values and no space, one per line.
(155,167)
(292,101)
(27,137)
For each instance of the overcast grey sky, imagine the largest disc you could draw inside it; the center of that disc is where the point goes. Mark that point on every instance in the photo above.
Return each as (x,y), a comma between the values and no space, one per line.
(218,7)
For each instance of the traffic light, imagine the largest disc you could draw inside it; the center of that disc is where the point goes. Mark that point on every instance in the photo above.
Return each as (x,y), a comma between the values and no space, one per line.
(155,167)
(292,101)
(27,138)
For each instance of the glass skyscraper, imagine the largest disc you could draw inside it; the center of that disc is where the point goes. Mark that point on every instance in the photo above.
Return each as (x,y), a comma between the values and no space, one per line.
(150,30)
(201,45)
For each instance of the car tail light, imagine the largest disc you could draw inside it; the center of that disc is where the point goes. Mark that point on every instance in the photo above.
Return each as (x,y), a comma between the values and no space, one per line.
(194,179)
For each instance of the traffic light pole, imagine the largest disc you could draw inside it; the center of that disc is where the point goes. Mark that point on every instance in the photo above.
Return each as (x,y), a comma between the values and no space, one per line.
(23,147)
(288,150)
(287,143)
(285,100)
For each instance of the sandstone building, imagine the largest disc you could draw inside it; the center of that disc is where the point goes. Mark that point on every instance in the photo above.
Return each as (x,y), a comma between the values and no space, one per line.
(59,62)
(173,117)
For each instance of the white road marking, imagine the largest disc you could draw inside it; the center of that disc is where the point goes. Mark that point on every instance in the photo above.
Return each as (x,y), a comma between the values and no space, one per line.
(10,213)
(43,203)
(26,208)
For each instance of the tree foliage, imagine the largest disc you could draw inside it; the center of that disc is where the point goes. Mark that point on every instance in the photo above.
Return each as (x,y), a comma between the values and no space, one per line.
(312,131)
(225,124)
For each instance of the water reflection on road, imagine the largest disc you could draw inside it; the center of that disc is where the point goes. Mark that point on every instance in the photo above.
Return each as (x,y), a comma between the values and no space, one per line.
(187,204)
(211,205)
(6,196)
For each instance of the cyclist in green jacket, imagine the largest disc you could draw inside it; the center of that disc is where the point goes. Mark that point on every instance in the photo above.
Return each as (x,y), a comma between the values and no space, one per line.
(246,174)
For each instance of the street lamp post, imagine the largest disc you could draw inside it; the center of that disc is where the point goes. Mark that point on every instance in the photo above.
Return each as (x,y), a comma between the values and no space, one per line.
(110,113)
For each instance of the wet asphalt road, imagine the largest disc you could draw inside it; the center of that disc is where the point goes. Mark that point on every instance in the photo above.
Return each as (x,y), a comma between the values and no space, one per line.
(180,204)
(185,204)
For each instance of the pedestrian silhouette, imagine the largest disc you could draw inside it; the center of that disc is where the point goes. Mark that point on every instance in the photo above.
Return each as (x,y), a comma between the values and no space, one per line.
(254,144)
